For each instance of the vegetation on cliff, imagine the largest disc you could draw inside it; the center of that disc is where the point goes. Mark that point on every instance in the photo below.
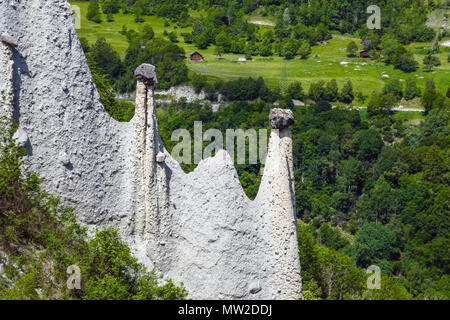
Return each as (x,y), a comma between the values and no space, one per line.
(40,240)
(372,185)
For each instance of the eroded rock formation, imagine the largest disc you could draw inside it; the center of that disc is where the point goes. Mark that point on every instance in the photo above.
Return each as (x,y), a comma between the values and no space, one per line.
(197,228)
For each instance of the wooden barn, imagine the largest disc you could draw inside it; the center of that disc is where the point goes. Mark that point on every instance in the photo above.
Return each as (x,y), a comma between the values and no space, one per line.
(195,56)
(364,54)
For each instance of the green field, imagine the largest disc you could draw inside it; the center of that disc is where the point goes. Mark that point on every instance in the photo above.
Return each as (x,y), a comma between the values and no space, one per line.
(323,64)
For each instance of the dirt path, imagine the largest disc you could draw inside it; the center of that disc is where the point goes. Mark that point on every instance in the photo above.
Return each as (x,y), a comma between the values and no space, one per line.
(445,43)
(393,109)
(262,22)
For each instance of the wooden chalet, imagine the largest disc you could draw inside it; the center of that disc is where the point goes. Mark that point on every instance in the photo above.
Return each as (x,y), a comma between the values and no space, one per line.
(195,56)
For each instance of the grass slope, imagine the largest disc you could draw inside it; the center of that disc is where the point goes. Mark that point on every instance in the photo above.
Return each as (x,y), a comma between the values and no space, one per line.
(323,64)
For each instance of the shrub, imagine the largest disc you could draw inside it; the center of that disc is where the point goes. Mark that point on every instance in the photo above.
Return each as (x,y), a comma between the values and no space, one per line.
(42,239)
(352,48)
(374,242)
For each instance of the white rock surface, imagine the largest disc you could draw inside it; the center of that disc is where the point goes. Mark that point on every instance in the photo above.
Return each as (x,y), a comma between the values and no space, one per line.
(185,91)
(281,118)
(58,107)
(198,228)
(160,157)
(21,137)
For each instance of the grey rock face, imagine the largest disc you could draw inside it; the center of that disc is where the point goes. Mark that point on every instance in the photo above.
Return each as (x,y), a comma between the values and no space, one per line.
(281,118)
(48,82)
(10,41)
(185,91)
(160,157)
(21,137)
(254,287)
(146,73)
(197,228)
(64,157)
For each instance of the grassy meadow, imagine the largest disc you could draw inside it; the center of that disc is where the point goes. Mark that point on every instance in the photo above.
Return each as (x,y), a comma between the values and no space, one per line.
(326,62)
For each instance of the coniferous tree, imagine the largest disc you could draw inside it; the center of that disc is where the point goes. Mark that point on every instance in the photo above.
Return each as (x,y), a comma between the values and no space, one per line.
(411,90)
(332,90)
(93,13)
(347,95)
(352,48)
(305,49)
(430,61)
(430,84)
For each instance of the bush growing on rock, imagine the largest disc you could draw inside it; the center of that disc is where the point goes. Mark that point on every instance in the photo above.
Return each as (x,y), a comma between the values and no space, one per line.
(40,239)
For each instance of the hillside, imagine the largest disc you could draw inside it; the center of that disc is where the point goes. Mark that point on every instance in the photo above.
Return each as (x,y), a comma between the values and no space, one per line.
(324,63)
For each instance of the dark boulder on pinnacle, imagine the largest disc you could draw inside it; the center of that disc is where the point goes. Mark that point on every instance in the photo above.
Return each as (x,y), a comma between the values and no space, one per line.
(10,41)
(146,73)
(281,118)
